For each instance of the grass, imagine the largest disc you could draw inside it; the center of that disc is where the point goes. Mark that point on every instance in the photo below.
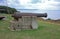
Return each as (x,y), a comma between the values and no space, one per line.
(45,31)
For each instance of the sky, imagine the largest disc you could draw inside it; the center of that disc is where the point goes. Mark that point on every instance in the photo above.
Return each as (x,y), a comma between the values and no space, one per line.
(33,4)
(52,7)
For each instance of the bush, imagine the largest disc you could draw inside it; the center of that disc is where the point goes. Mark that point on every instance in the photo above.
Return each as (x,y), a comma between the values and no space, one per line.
(49,19)
(7,10)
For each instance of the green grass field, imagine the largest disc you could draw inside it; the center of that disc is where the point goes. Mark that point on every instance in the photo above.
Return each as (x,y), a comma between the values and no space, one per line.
(45,31)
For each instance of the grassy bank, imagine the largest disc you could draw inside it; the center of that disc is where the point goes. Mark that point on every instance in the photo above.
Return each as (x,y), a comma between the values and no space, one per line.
(45,31)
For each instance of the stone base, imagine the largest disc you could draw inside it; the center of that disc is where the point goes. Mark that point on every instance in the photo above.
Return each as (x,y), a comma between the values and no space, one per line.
(15,25)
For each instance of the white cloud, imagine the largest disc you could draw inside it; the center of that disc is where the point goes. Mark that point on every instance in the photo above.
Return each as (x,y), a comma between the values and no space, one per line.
(26,4)
(23,2)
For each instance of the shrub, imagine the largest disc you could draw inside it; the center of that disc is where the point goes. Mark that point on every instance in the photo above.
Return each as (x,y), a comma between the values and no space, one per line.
(7,10)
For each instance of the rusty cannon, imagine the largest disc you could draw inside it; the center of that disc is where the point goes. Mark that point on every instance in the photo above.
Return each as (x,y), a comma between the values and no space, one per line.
(24,20)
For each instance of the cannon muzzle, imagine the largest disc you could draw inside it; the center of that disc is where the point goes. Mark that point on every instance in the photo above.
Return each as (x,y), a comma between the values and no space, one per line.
(42,15)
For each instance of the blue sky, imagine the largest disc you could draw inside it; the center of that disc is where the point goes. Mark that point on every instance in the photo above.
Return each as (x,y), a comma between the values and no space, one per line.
(52,7)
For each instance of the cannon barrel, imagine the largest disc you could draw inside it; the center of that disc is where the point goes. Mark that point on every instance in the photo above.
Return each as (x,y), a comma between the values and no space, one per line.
(29,14)
(19,15)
